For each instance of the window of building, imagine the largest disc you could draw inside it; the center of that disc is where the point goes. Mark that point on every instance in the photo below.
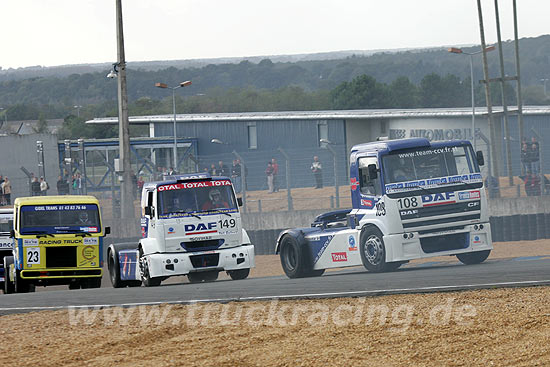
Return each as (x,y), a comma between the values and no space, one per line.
(322,133)
(252,136)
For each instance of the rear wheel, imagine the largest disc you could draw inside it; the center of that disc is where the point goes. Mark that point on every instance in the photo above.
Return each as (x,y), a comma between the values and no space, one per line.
(114,271)
(295,260)
(471,258)
(239,274)
(9,287)
(204,276)
(22,285)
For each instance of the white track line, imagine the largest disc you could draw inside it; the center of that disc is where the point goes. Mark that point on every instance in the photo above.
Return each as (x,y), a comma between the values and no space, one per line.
(378,292)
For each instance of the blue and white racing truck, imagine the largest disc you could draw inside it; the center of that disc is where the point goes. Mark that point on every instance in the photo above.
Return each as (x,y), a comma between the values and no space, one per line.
(411,199)
(6,242)
(190,225)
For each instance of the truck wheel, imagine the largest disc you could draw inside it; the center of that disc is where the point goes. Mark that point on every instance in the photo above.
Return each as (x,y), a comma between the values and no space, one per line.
(22,285)
(373,250)
(146,279)
(114,271)
(204,276)
(473,257)
(315,273)
(239,274)
(9,287)
(293,260)
(91,283)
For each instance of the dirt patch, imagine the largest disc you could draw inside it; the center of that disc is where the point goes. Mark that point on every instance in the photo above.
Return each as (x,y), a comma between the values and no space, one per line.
(490,327)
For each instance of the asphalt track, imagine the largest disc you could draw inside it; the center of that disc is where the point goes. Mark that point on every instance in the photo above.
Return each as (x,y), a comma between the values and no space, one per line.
(352,282)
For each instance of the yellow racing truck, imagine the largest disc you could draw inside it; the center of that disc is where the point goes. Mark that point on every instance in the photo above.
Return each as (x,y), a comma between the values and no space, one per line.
(58,240)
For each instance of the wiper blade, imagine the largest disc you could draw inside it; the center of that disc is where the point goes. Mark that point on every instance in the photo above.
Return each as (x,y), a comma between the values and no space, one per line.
(83,234)
(38,234)
(419,187)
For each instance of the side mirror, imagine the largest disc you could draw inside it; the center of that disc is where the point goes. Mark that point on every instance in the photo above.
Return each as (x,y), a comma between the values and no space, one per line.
(149,211)
(12,233)
(373,171)
(479,157)
(240,201)
(107,230)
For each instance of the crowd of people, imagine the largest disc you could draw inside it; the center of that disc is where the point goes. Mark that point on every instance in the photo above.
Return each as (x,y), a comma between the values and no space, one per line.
(530,156)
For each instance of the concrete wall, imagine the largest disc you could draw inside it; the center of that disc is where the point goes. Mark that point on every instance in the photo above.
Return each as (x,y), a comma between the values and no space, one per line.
(20,150)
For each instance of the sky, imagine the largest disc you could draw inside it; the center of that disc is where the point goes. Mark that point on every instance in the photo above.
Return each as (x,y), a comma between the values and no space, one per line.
(63,32)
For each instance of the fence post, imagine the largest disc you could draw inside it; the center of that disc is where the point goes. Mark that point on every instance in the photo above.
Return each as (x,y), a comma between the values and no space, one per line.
(287,174)
(243,179)
(336,188)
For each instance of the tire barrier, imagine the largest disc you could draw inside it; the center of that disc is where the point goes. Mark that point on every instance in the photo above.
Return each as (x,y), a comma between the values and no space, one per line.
(264,240)
(520,227)
(541,226)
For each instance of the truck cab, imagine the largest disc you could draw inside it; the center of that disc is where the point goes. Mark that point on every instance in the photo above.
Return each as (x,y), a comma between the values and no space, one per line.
(411,199)
(190,225)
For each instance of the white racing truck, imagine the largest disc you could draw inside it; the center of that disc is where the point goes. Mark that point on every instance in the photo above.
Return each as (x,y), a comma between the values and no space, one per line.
(190,225)
(6,242)
(411,199)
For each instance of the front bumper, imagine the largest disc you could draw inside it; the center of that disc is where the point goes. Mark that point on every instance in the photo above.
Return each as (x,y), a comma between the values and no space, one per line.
(399,248)
(235,258)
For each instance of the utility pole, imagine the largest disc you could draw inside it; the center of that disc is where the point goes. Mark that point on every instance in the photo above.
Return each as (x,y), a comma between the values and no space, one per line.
(126,197)
(518,85)
(493,147)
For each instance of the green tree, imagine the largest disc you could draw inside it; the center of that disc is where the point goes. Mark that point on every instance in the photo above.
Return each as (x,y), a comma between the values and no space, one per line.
(362,92)
(403,93)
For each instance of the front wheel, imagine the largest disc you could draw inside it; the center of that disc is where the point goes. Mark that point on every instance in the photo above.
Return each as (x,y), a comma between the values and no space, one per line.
(146,278)
(9,287)
(239,274)
(373,251)
(471,258)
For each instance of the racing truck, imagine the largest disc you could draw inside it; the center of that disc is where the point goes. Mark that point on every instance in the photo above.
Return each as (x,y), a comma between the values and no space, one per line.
(190,225)
(6,243)
(58,240)
(411,199)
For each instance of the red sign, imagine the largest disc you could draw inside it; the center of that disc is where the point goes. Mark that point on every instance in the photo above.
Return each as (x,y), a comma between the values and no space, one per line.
(366,202)
(354,183)
(192,185)
(339,256)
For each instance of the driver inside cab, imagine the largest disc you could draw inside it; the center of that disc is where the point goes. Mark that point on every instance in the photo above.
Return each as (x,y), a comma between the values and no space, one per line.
(403,172)
(215,200)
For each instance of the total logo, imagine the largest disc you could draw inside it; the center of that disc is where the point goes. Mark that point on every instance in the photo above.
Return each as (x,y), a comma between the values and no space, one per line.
(477,239)
(469,195)
(352,244)
(439,198)
(201,228)
(339,256)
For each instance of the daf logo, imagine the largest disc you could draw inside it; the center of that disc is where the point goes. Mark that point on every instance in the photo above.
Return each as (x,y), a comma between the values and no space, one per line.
(473,204)
(447,196)
(409,212)
(199,227)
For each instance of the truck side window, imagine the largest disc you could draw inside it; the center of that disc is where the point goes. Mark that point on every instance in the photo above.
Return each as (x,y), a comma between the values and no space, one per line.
(366,185)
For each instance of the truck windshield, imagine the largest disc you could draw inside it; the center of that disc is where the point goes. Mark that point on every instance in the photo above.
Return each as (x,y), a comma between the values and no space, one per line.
(6,223)
(431,166)
(66,218)
(195,197)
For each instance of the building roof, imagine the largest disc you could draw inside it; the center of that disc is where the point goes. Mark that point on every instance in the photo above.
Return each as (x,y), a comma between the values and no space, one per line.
(321,115)
(28,127)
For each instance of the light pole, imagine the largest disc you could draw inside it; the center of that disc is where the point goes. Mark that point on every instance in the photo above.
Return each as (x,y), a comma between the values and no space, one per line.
(77,110)
(181,85)
(455,50)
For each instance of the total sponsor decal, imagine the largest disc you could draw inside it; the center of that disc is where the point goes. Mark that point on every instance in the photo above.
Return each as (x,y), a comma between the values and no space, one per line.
(192,185)
(469,195)
(339,256)
(477,240)
(171,230)
(438,199)
(201,228)
(352,243)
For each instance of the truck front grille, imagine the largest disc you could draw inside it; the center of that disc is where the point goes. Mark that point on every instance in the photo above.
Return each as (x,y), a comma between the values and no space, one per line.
(61,257)
(444,243)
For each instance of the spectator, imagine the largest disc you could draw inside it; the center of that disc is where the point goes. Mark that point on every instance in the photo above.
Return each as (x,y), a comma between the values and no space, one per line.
(317,170)
(275,174)
(140,184)
(223,170)
(269,174)
(6,189)
(43,187)
(35,187)
(535,156)
(213,170)
(171,172)
(532,185)
(236,175)
(1,192)
(525,158)
(77,184)
(62,186)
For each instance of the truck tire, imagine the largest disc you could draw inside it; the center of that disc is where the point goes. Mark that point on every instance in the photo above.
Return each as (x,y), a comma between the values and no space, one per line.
(239,274)
(373,251)
(471,258)
(114,270)
(146,279)
(294,260)
(9,287)
(22,285)
(203,276)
